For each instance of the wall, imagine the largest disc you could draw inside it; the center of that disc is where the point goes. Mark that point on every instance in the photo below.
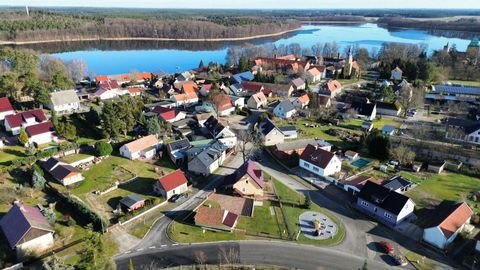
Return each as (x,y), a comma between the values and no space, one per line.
(434,236)
(38,244)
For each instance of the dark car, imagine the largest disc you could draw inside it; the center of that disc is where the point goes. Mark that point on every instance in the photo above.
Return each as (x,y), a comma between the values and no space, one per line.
(174,198)
(387,247)
(400,260)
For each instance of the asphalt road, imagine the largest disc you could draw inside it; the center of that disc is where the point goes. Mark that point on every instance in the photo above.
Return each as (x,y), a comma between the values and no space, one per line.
(248,252)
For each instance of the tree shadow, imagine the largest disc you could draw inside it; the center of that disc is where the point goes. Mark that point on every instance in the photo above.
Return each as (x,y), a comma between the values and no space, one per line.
(141,185)
(113,202)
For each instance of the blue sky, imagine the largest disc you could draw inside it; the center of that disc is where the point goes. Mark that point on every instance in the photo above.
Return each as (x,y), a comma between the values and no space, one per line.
(257,4)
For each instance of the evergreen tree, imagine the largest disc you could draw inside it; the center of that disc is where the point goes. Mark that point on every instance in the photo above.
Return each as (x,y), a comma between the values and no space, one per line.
(92,256)
(378,145)
(38,181)
(23,137)
(153,126)
(308,201)
(201,65)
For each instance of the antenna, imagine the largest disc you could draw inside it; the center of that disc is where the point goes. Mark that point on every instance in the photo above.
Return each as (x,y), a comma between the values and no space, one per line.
(28,12)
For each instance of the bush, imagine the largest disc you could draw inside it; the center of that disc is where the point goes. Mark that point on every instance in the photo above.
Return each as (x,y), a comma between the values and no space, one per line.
(103,148)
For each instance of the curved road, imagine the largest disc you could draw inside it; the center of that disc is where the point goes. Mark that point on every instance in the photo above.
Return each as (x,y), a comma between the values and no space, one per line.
(247,252)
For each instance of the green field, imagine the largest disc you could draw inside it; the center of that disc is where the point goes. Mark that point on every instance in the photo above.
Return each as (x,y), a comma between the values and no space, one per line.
(469,83)
(263,223)
(447,186)
(103,175)
(10,153)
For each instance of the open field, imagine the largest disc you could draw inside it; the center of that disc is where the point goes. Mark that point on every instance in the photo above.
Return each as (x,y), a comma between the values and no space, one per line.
(75,158)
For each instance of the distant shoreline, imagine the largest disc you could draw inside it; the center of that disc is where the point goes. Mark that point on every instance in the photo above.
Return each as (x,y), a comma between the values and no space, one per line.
(3,43)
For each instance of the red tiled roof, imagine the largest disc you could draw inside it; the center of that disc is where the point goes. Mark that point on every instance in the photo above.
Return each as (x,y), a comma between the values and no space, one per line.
(252,86)
(101,78)
(173,180)
(134,90)
(456,219)
(304,99)
(189,87)
(144,76)
(165,113)
(255,173)
(187,96)
(323,100)
(222,102)
(40,129)
(230,219)
(317,156)
(5,105)
(16,120)
(209,216)
(109,84)
(333,86)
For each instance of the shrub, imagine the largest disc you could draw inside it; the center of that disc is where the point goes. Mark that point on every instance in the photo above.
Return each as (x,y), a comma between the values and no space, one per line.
(103,148)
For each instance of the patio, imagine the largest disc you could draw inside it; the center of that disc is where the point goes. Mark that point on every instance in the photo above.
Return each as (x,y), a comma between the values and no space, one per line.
(317,226)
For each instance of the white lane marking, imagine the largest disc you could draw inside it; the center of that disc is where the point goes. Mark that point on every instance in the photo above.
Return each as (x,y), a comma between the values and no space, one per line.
(174,244)
(126,252)
(163,246)
(140,249)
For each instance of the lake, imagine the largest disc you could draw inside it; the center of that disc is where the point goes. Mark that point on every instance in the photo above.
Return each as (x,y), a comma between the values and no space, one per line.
(113,57)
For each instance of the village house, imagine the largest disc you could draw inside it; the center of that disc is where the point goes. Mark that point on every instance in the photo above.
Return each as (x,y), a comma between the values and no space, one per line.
(202,118)
(388,130)
(270,134)
(315,74)
(238,102)
(320,162)
(224,106)
(205,160)
(205,89)
(299,84)
(62,172)
(301,102)
(351,155)
(26,229)
(125,78)
(188,87)
(384,205)
(169,115)
(463,130)
(215,218)
(398,184)
(278,90)
(397,74)
(324,101)
(331,88)
(15,122)
(107,89)
(289,132)
(252,87)
(364,110)
(447,224)
(354,184)
(145,147)
(134,91)
(242,77)
(285,109)
(132,202)
(392,109)
(286,65)
(257,101)
(171,184)
(367,126)
(176,150)
(220,132)
(185,99)
(41,133)
(185,76)
(294,148)
(248,180)
(64,102)
(236,89)
(6,108)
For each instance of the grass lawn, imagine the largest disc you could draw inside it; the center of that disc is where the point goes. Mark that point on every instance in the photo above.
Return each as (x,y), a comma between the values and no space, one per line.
(286,194)
(423,262)
(141,186)
(469,83)
(104,174)
(319,132)
(263,223)
(75,158)
(344,82)
(9,153)
(447,186)
(186,233)
(379,123)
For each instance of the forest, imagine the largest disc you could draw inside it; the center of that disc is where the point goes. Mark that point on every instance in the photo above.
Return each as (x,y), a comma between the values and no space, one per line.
(45,25)
(463,24)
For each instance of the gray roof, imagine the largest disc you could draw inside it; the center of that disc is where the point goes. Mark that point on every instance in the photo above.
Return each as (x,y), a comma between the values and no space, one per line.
(210,153)
(450,89)
(177,145)
(396,183)
(298,82)
(293,145)
(388,128)
(267,126)
(64,97)
(287,105)
(131,200)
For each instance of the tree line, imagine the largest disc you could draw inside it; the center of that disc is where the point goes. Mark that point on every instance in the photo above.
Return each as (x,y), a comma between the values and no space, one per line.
(463,24)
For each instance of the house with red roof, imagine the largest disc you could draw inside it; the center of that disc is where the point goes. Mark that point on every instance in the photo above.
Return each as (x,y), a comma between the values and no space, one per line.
(62,172)
(223,103)
(134,91)
(6,108)
(319,161)
(169,115)
(301,102)
(145,147)
(205,89)
(216,218)
(15,122)
(447,224)
(249,180)
(41,133)
(26,229)
(171,184)
(315,74)
(257,101)
(284,64)
(331,88)
(188,98)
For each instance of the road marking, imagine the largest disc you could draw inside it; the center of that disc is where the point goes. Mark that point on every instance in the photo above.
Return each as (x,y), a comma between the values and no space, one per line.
(152,247)
(126,252)
(140,249)
(163,245)
(174,244)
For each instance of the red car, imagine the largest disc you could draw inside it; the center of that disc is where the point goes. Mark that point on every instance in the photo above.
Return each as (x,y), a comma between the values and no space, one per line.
(387,247)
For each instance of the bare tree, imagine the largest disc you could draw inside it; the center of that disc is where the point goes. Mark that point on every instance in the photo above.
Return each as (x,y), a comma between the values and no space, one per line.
(403,154)
(248,143)
(201,258)
(409,98)
(77,69)
(230,256)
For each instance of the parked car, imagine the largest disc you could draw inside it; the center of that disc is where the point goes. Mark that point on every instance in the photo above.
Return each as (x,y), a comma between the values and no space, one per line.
(387,247)
(400,260)
(174,198)
(182,197)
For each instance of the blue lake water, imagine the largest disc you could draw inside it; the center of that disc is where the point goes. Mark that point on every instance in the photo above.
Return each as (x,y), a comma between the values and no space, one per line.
(102,60)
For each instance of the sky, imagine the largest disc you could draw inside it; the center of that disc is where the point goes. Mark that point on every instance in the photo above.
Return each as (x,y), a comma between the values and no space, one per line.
(257,4)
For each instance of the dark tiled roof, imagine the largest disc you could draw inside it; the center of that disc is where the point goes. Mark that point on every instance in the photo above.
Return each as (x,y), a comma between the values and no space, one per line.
(177,145)
(131,200)
(397,182)
(363,108)
(383,197)
(267,126)
(315,155)
(468,126)
(20,220)
(230,219)
(40,129)
(388,106)
(62,171)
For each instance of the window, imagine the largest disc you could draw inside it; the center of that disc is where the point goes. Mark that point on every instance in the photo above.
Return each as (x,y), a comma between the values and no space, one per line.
(364,203)
(306,165)
(315,169)
(387,215)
